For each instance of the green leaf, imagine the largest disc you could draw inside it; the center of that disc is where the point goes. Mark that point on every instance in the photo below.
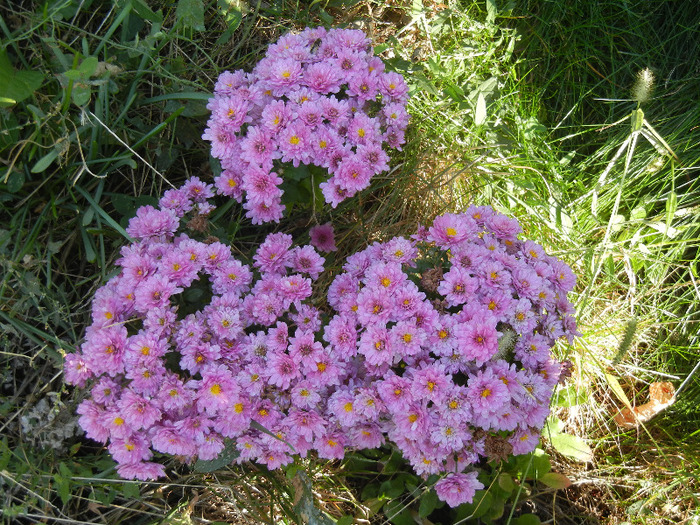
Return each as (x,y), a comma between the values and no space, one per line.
(572,447)
(566,159)
(45,161)
(345,520)
(555,480)
(232,13)
(87,67)
(131,490)
(190,13)
(570,396)
(226,457)
(398,514)
(16,86)
(491,11)
(145,12)
(305,507)
(89,245)
(617,221)
(636,120)
(15,181)
(428,502)
(81,94)
(505,481)
(63,488)
(540,464)
(9,130)
(615,386)
(671,206)
(299,173)
(124,204)
(527,519)
(480,113)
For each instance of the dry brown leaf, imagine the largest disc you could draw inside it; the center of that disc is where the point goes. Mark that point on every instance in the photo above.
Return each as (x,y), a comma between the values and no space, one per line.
(661,396)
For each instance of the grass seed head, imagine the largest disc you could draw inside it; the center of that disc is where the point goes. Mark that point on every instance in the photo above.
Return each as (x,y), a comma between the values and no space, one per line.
(643,86)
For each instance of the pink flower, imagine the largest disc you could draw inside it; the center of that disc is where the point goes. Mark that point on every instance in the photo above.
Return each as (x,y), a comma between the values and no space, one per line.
(75,370)
(323,237)
(150,223)
(272,255)
(457,488)
(141,470)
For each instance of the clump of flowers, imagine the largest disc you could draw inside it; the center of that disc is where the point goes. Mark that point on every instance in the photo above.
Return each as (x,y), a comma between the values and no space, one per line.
(450,335)
(174,376)
(439,344)
(319,98)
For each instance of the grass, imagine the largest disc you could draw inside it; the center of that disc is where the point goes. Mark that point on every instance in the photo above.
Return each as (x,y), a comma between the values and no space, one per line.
(526,109)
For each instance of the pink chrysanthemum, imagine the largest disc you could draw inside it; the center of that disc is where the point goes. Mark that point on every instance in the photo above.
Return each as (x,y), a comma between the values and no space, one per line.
(457,488)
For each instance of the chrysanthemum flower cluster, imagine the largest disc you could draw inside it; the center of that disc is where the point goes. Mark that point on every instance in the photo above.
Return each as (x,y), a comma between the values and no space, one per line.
(320,98)
(179,383)
(450,336)
(439,344)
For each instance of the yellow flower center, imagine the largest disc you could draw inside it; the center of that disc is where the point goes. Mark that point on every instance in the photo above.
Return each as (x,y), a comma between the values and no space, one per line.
(385,282)
(286,74)
(238,407)
(486,393)
(294,140)
(118,421)
(451,232)
(407,338)
(321,367)
(348,407)
(215,389)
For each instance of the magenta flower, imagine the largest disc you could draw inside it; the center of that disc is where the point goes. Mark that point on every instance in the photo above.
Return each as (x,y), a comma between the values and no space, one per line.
(402,346)
(457,488)
(150,223)
(323,237)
